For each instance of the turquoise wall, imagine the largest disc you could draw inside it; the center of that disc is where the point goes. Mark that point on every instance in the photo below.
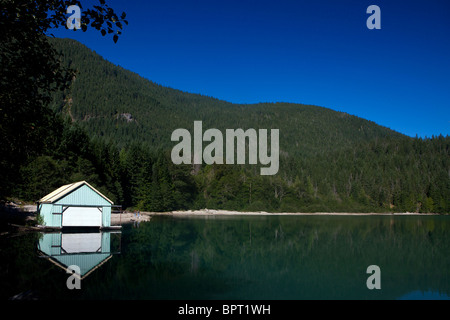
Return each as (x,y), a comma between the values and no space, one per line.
(47,211)
(106,216)
(83,196)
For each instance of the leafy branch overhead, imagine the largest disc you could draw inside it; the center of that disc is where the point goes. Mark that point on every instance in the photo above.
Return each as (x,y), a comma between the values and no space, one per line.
(101,15)
(41,16)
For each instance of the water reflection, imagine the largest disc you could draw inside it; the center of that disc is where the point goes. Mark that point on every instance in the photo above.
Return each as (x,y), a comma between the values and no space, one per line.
(239,257)
(284,257)
(87,250)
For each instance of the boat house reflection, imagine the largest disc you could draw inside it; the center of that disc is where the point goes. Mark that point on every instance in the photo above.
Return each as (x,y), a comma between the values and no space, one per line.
(87,250)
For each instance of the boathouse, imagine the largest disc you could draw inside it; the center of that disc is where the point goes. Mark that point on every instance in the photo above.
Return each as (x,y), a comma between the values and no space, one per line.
(75,205)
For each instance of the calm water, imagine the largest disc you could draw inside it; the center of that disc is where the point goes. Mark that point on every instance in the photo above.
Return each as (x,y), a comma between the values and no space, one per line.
(264,257)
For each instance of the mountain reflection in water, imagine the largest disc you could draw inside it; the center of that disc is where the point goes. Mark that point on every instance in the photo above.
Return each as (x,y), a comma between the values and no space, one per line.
(239,257)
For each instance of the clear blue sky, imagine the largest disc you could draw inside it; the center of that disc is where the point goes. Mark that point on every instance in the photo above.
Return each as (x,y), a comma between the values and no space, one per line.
(313,52)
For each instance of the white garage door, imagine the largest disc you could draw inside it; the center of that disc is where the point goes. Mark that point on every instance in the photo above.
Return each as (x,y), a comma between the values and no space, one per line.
(82,217)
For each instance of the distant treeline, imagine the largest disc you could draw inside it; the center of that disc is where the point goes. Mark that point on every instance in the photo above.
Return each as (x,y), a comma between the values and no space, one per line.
(383,175)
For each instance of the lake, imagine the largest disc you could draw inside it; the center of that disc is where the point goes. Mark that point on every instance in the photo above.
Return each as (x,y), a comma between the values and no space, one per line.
(236,257)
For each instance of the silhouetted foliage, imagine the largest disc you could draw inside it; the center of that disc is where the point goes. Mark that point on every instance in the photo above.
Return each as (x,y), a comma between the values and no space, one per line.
(30,72)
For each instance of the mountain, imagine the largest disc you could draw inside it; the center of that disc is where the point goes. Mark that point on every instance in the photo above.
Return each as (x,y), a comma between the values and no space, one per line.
(117,136)
(115,103)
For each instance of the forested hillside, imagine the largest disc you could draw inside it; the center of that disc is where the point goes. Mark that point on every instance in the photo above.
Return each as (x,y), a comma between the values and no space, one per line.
(116,135)
(109,101)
